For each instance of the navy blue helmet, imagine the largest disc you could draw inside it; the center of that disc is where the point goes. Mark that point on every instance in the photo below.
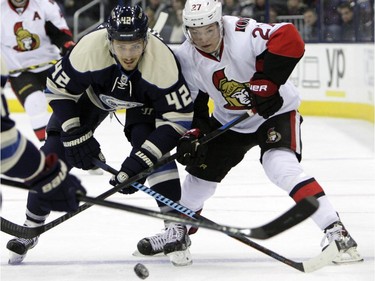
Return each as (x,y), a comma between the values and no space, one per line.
(127,23)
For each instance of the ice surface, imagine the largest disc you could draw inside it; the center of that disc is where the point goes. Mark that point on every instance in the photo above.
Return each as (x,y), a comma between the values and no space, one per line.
(98,243)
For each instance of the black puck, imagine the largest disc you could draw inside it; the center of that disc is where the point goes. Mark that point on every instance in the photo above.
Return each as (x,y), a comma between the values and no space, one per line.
(141,271)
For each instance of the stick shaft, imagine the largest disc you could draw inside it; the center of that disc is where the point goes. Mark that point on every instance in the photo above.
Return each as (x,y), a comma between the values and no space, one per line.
(162,19)
(308,266)
(293,216)
(192,214)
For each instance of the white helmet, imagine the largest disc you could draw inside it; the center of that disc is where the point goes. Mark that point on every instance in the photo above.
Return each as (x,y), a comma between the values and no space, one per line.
(200,13)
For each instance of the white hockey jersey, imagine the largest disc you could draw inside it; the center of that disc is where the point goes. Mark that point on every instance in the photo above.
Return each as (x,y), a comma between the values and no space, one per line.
(24,41)
(224,80)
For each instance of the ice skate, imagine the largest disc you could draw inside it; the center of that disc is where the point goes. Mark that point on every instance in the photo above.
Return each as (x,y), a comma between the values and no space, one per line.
(151,246)
(177,245)
(346,244)
(18,248)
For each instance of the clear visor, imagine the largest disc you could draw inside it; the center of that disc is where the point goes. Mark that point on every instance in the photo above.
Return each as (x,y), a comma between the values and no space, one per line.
(199,36)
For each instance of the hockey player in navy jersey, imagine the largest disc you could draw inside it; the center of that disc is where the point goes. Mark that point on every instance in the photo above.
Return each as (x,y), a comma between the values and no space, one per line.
(21,159)
(122,65)
(242,64)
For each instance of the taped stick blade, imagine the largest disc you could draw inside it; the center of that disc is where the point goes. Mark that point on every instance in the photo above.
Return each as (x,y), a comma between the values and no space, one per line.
(298,213)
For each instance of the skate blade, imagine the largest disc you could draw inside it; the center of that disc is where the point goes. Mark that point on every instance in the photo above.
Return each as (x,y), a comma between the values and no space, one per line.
(15,258)
(180,258)
(136,253)
(349,256)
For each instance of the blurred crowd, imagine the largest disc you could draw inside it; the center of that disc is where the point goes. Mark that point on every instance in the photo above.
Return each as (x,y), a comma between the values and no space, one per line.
(317,21)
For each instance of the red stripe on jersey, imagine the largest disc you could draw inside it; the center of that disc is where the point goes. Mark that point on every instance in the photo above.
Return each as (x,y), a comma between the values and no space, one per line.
(40,133)
(67,32)
(293,134)
(287,42)
(310,188)
(193,229)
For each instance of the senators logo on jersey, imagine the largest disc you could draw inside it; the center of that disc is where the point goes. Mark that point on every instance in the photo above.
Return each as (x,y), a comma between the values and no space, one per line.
(26,41)
(273,136)
(234,92)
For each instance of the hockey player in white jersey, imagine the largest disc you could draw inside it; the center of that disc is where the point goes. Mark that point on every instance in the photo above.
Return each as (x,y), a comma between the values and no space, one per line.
(33,32)
(242,64)
(121,65)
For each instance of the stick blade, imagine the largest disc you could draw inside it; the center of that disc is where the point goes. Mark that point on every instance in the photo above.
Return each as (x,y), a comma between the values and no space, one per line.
(323,259)
(298,213)
(17,230)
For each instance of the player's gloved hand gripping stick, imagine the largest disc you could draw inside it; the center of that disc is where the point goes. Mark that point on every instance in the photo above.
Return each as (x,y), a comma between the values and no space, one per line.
(80,147)
(264,95)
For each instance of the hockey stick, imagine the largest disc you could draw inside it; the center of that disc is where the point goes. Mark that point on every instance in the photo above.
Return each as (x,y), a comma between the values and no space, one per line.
(52,62)
(162,19)
(19,231)
(310,265)
(301,211)
(280,224)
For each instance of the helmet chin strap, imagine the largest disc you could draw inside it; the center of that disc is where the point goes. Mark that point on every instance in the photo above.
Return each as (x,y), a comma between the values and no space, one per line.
(216,53)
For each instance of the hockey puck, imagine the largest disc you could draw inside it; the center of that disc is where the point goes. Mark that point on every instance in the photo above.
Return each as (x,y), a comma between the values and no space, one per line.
(141,271)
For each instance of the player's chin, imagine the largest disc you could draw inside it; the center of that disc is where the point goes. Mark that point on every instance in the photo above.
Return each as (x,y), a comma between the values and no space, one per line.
(207,49)
(128,66)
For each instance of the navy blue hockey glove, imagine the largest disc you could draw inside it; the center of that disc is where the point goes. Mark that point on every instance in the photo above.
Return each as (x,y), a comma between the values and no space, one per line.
(138,161)
(56,189)
(189,151)
(80,147)
(265,96)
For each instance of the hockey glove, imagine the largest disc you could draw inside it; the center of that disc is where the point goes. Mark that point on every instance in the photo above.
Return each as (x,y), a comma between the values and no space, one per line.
(80,147)
(265,96)
(56,189)
(189,151)
(67,47)
(139,160)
